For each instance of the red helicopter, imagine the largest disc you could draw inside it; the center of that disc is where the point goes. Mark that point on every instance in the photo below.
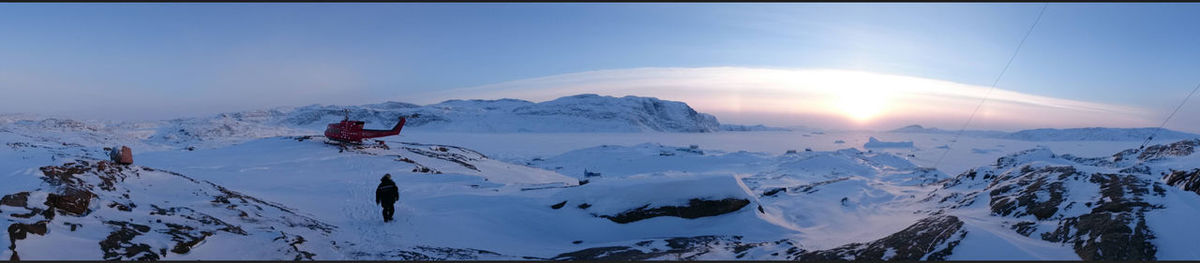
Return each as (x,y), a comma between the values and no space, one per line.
(349,131)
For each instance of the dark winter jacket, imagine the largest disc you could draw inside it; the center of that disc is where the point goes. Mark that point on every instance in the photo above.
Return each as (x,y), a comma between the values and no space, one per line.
(386,193)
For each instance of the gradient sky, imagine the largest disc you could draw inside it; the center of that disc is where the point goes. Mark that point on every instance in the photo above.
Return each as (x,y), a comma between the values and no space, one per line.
(1116,65)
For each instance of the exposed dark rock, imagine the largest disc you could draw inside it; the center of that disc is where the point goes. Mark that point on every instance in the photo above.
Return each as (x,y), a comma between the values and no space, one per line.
(606,253)
(806,188)
(185,237)
(920,241)
(424,253)
(72,225)
(1024,228)
(122,207)
(695,208)
(1005,201)
(1186,180)
(559,205)
(72,200)
(1180,148)
(18,199)
(33,211)
(294,242)
(682,248)
(443,152)
(75,184)
(202,218)
(1136,169)
(19,231)
(1105,232)
(119,246)
(68,174)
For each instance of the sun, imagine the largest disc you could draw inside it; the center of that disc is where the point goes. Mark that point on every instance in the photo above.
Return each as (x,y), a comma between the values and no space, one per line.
(861,105)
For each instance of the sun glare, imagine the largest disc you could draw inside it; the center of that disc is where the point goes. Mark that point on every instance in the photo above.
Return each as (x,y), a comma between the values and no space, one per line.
(860,98)
(861,106)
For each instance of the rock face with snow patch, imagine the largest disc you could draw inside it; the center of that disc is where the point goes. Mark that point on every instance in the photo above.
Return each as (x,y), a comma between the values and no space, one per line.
(140,213)
(1103,208)
(932,238)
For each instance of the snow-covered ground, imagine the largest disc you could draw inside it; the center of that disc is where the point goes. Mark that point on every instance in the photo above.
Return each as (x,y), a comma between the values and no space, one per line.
(968,152)
(265,189)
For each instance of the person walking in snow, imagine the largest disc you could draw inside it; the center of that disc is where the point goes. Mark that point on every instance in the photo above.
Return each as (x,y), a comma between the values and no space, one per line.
(386,195)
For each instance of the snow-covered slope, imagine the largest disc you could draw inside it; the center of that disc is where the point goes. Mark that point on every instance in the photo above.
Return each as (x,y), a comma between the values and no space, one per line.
(89,210)
(261,186)
(297,197)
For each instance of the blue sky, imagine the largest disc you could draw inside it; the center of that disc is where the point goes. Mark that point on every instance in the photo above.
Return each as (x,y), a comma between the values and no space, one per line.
(155,61)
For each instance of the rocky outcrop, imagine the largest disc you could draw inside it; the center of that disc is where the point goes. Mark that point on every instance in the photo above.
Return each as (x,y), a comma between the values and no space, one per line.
(1021,197)
(1186,180)
(679,248)
(696,208)
(931,238)
(145,222)
(428,253)
(1053,198)
(1115,228)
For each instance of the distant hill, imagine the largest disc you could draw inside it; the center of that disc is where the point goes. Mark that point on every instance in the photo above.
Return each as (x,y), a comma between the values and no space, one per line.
(919,129)
(1073,134)
(1097,134)
(760,127)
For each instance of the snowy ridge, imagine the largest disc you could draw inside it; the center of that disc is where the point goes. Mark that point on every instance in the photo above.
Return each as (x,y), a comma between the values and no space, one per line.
(1097,134)
(1073,134)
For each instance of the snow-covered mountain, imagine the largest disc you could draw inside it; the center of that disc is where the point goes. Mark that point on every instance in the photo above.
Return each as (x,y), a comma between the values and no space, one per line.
(1073,134)
(579,113)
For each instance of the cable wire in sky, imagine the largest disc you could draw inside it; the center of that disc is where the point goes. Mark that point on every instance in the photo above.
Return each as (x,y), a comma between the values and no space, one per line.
(1164,123)
(994,82)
